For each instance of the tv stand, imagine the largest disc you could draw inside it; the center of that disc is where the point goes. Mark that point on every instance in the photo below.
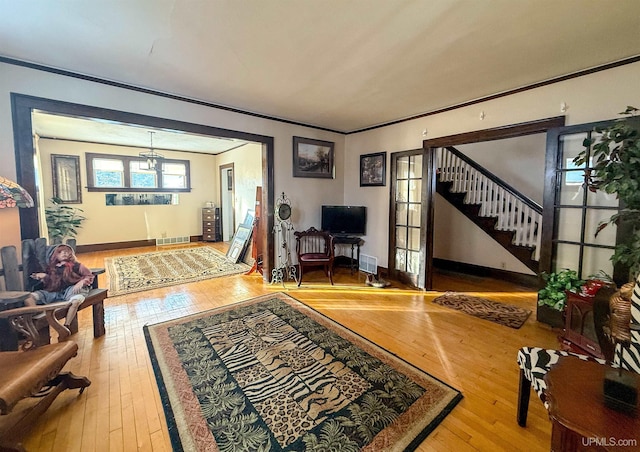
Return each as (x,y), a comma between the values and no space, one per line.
(354,241)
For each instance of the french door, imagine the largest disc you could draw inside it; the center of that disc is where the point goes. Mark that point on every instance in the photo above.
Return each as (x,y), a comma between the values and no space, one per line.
(572,213)
(411,217)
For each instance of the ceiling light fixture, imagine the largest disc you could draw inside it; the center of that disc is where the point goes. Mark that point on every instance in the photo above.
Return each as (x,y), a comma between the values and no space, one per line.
(151,156)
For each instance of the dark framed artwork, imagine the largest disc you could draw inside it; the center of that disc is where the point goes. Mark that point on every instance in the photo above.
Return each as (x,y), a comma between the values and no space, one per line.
(313,158)
(65,171)
(373,169)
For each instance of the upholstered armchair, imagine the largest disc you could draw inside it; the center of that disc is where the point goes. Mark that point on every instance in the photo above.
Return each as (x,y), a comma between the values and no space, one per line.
(535,362)
(314,249)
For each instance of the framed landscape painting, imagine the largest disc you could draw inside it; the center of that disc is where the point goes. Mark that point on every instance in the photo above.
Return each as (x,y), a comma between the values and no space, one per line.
(373,169)
(313,158)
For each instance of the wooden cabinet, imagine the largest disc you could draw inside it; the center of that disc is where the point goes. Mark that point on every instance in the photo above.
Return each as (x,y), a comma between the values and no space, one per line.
(211,230)
(580,330)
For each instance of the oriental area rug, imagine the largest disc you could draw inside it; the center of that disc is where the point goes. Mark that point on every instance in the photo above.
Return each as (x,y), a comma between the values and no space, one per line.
(272,374)
(501,313)
(135,273)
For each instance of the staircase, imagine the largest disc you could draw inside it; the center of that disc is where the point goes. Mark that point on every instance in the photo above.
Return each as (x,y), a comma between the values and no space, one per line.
(512,219)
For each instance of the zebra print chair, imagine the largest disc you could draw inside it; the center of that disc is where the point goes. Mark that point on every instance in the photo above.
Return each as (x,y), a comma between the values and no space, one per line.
(535,362)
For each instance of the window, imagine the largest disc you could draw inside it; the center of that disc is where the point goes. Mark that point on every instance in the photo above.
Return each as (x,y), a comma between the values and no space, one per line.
(130,173)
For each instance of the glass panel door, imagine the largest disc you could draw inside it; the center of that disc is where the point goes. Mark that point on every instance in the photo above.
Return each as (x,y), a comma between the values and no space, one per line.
(570,237)
(406,260)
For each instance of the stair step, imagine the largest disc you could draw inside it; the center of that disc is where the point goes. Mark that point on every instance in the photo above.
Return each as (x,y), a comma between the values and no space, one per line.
(504,238)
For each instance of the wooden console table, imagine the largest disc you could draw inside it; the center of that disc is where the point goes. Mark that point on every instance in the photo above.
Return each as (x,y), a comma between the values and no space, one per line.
(355,242)
(581,421)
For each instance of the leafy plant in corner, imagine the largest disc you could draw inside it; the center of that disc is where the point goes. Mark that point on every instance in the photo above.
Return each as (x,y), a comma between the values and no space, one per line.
(553,294)
(616,169)
(62,221)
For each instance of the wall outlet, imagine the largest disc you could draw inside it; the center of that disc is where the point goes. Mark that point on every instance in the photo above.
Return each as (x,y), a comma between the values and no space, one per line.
(503,265)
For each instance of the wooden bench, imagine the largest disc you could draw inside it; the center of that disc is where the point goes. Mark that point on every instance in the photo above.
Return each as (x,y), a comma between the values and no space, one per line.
(16,278)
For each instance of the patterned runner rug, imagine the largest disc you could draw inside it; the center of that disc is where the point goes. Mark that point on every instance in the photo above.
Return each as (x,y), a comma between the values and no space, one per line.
(272,374)
(135,273)
(501,313)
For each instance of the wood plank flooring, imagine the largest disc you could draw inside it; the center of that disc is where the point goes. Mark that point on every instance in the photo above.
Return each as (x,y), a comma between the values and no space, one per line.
(121,410)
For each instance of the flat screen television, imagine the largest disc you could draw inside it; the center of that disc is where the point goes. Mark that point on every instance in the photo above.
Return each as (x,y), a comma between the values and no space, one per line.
(344,220)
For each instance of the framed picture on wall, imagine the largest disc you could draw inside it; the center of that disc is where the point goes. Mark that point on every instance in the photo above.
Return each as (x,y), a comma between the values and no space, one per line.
(373,169)
(66,178)
(313,158)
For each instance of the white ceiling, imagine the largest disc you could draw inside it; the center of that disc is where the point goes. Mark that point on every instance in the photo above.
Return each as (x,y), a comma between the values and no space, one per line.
(338,64)
(47,125)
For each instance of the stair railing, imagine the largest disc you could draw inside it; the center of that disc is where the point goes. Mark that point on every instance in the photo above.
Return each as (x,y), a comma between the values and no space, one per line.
(515,212)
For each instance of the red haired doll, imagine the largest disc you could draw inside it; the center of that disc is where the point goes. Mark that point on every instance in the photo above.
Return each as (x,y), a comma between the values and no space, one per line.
(64,279)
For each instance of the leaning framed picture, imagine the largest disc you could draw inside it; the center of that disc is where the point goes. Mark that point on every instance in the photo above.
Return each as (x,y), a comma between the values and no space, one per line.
(313,158)
(65,170)
(373,169)
(238,244)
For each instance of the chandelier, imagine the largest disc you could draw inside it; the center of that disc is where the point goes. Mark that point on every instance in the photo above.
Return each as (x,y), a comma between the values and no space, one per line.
(151,156)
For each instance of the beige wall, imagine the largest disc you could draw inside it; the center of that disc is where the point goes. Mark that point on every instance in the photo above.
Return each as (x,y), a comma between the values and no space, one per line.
(247,168)
(594,97)
(310,193)
(108,224)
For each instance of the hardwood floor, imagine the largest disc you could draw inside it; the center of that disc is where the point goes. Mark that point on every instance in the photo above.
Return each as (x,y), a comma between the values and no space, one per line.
(121,410)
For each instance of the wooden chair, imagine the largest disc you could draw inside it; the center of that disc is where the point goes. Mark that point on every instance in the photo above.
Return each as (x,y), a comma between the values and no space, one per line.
(16,278)
(535,362)
(31,377)
(314,249)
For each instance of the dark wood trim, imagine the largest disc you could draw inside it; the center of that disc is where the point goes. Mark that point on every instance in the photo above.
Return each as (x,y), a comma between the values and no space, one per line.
(124,245)
(89,78)
(552,81)
(429,180)
(551,192)
(522,279)
(116,245)
(40,67)
(22,106)
(497,133)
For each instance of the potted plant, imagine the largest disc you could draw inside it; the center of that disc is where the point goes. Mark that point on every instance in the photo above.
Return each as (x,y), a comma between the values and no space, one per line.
(616,154)
(552,298)
(63,221)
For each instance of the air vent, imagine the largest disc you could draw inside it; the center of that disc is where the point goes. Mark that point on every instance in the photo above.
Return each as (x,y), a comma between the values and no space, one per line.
(368,264)
(172,240)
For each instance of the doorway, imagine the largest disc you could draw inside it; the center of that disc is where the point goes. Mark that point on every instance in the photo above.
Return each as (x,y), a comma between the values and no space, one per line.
(412,204)
(23,106)
(227,202)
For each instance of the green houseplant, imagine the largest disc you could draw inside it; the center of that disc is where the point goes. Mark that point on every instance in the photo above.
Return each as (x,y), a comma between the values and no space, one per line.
(63,221)
(616,169)
(553,293)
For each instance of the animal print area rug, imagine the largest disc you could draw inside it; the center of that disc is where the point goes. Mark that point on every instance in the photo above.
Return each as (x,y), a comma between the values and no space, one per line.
(501,313)
(272,374)
(135,273)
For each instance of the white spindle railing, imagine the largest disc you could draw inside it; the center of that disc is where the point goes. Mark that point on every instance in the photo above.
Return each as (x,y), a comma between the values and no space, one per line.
(512,211)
